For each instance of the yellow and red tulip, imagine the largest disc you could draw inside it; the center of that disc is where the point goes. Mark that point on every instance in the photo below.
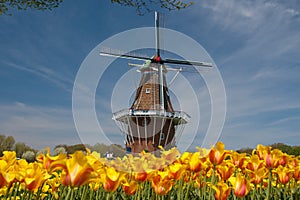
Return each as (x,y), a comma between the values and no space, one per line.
(241,185)
(217,154)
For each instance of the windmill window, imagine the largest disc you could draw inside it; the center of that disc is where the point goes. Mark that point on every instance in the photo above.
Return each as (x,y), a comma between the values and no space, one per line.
(162,136)
(148,90)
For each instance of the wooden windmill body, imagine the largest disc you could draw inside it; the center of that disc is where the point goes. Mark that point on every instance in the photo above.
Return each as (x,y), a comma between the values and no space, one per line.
(151,121)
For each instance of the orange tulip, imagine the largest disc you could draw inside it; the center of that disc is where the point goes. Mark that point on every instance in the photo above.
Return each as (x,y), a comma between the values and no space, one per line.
(161,183)
(217,154)
(296,173)
(130,188)
(240,184)
(222,191)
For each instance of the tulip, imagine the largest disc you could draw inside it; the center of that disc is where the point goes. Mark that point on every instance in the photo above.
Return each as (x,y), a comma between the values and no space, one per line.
(195,163)
(238,159)
(222,191)
(240,184)
(111,179)
(284,174)
(130,188)
(76,171)
(161,183)
(225,171)
(296,173)
(52,163)
(217,154)
(176,170)
(258,175)
(271,157)
(255,163)
(6,176)
(35,176)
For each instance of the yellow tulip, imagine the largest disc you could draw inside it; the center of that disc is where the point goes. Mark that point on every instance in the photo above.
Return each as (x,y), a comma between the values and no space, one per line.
(284,174)
(225,170)
(217,154)
(111,179)
(255,163)
(240,184)
(195,163)
(238,159)
(76,171)
(52,163)
(222,191)
(258,175)
(6,177)
(35,176)
(176,170)
(271,157)
(9,157)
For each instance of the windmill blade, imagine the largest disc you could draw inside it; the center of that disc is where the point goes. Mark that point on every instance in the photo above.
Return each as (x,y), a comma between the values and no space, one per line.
(186,62)
(126,56)
(157,34)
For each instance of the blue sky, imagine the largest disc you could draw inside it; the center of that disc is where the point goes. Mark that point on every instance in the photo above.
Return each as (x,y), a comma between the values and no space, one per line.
(255,44)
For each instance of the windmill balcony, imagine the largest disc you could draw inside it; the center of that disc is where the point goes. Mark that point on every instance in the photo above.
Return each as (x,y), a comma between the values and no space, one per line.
(180,116)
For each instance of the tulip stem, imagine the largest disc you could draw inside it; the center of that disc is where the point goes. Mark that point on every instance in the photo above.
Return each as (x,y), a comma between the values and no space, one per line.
(212,180)
(269,185)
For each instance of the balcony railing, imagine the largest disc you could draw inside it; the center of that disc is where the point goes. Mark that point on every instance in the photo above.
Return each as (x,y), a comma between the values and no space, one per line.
(120,115)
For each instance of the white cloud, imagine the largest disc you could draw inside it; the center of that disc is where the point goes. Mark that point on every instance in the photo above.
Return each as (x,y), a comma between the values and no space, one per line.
(61,80)
(38,126)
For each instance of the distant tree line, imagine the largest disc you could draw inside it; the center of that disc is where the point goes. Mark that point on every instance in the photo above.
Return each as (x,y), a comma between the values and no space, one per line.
(117,150)
(8,143)
(291,150)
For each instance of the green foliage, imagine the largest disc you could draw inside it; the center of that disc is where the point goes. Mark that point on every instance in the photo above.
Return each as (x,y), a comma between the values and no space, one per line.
(20,148)
(291,150)
(5,5)
(59,150)
(117,150)
(42,151)
(29,156)
(6,143)
(141,6)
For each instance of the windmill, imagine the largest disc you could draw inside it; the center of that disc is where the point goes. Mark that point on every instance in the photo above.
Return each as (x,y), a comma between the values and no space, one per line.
(151,120)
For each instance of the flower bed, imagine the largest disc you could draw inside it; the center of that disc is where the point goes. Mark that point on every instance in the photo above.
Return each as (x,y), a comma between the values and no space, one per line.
(213,173)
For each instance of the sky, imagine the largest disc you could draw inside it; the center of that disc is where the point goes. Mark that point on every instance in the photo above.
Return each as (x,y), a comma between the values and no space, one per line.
(254,44)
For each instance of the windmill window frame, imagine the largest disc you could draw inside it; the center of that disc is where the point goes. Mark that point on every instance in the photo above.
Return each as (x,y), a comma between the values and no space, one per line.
(148,90)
